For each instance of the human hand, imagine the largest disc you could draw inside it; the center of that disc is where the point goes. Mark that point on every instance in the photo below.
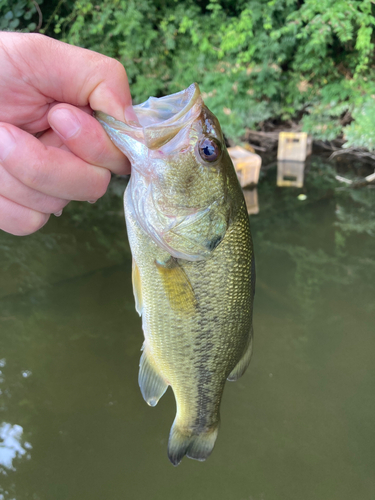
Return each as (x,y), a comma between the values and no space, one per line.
(50,88)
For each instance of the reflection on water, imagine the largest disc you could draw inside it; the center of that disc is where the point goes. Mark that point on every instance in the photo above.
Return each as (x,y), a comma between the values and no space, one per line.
(10,444)
(290,173)
(298,426)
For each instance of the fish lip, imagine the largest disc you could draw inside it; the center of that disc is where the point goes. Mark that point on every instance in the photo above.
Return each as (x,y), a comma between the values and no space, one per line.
(160,119)
(189,97)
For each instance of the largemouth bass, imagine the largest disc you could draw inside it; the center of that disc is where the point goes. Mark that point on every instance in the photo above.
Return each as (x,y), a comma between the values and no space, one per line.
(193,264)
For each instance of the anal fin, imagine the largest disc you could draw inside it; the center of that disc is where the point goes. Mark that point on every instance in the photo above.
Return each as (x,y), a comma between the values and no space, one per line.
(244,362)
(151,383)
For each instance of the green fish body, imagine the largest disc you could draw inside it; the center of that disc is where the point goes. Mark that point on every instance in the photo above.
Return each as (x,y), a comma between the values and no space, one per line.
(193,263)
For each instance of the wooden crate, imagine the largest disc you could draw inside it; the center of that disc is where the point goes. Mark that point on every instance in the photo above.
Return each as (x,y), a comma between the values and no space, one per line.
(290,173)
(251,199)
(294,146)
(246,164)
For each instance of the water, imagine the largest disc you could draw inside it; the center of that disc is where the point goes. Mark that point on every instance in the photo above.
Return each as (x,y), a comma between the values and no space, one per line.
(298,426)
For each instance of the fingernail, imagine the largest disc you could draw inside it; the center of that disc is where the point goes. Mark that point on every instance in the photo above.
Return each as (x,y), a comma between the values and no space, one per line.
(92,201)
(57,214)
(64,123)
(7,143)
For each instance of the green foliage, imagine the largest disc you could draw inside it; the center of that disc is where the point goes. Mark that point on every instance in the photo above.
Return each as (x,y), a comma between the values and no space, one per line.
(335,52)
(360,133)
(19,14)
(280,59)
(164,46)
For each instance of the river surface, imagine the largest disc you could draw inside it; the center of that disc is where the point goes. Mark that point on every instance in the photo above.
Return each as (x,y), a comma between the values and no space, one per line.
(299,425)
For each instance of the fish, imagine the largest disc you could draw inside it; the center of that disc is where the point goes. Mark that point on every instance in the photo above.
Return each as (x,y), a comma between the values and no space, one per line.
(193,269)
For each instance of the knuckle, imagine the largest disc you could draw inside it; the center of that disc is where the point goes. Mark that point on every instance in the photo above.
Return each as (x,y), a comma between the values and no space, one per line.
(52,205)
(105,156)
(33,176)
(115,67)
(108,67)
(36,38)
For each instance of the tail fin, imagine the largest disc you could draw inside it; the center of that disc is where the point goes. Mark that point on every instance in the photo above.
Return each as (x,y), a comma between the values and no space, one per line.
(196,446)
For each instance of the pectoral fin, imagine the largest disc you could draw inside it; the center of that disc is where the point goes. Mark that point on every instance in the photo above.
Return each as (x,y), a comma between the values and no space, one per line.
(152,385)
(177,286)
(137,288)
(243,363)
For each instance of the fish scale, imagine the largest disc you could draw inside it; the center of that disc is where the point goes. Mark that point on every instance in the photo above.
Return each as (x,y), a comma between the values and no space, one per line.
(193,279)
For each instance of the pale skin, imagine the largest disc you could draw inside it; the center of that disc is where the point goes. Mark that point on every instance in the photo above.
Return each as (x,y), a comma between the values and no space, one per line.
(48,89)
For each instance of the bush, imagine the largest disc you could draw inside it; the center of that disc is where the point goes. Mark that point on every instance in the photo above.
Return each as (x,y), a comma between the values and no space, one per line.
(19,14)
(254,61)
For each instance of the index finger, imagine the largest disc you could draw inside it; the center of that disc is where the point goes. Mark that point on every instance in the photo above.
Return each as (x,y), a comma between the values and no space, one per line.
(72,74)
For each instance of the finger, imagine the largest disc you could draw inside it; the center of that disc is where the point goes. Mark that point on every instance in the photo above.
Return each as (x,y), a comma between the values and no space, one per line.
(18,220)
(74,75)
(86,138)
(50,170)
(50,138)
(14,190)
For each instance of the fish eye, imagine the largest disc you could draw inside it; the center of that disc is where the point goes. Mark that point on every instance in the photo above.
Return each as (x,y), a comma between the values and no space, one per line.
(209,149)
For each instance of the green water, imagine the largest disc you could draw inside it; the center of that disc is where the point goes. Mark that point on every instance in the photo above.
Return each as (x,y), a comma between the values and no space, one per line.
(298,426)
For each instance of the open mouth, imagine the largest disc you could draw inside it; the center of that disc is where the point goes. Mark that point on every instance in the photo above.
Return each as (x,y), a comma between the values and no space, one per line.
(158,119)
(166,110)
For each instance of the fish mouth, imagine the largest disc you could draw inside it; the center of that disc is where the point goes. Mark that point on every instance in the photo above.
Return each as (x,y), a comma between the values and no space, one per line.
(158,120)
(164,111)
